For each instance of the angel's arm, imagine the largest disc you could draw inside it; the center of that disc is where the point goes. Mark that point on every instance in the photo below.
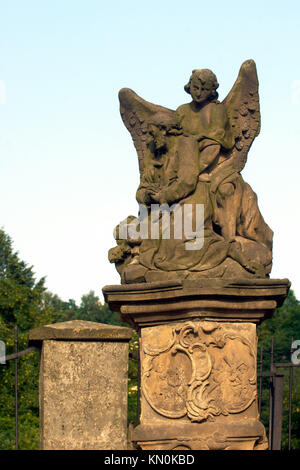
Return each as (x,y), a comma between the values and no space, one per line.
(145,191)
(218,129)
(187,174)
(209,155)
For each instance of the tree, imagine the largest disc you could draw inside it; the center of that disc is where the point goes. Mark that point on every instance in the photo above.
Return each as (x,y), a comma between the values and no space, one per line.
(281,328)
(91,309)
(25,302)
(20,293)
(20,304)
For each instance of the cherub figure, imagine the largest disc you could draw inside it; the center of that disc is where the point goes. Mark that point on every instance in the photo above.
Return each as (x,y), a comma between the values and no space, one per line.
(127,250)
(205,119)
(225,132)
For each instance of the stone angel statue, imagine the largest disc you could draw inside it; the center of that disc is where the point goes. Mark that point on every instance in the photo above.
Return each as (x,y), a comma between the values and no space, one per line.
(188,158)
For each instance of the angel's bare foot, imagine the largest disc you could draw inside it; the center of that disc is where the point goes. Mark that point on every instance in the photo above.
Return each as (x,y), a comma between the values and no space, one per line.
(254,267)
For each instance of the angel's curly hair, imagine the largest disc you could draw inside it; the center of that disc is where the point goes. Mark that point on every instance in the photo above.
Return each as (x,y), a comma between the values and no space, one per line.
(163,121)
(206,77)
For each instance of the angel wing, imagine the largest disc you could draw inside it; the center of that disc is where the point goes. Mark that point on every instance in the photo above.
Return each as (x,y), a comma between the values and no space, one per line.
(242,107)
(136,114)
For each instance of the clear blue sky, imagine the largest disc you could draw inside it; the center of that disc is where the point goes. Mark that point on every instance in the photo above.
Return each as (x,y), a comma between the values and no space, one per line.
(69,170)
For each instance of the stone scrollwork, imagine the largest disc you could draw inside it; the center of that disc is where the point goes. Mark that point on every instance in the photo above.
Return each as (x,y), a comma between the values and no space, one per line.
(202,370)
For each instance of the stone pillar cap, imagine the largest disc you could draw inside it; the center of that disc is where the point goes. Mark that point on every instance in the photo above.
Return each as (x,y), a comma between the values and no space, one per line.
(80,330)
(245,300)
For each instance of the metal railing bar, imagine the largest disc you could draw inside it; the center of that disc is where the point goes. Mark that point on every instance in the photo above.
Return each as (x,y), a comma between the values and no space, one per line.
(290,400)
(260,380)
(271,396)
(16,388)
(138,408)
(267,374)
(21,353)
(285,364)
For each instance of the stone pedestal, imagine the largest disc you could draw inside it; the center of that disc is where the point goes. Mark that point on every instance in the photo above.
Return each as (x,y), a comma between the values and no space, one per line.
(198,352)
(83,385)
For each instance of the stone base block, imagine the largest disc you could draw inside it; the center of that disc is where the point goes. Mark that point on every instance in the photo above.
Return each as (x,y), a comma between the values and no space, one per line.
(83,385)
(243,435)
(198,355)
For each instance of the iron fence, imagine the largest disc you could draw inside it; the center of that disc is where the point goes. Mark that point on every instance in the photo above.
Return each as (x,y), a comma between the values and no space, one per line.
(275,383)
(270,380)
(14,357)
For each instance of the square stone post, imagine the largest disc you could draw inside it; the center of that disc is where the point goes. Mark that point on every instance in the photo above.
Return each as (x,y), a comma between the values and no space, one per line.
(82,385)
(198,353)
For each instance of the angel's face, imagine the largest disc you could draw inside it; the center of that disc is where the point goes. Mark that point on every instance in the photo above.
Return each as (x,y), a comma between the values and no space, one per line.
(158,136)
(199,91)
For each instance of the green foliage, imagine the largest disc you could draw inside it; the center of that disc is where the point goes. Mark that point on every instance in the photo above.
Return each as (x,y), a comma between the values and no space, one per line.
(21,303)
(29,435)
(20,294)
(133,380)
(91,309)
(282,327)
(25,302)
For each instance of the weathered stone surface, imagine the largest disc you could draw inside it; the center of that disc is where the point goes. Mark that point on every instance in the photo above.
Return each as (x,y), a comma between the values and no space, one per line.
(83,386)
(250,300)
(198,345)
(202,376)
(198,370)
(79,329)
(247,434)
(189,158)
(195,267)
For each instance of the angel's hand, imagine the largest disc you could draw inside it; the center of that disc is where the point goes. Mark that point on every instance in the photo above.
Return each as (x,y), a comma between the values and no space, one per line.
(142,196)
(153,187)
(204,177)
(175,131)
(148,176)
(255,268)
(155,195)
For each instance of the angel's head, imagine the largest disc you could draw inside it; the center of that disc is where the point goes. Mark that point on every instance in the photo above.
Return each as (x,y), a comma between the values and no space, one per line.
(202,86)
(159,126)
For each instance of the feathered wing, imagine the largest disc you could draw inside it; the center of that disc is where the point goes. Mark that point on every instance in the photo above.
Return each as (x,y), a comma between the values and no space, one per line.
(242,105)
(136,114)
(242,108)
